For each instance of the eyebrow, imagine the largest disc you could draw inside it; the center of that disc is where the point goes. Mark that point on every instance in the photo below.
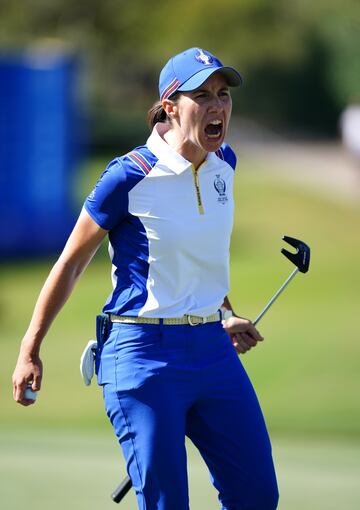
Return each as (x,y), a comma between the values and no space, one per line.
(206,90)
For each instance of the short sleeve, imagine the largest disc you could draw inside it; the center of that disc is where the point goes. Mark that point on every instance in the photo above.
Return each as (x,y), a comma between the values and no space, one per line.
(107,204)
(226,153)
(229,155)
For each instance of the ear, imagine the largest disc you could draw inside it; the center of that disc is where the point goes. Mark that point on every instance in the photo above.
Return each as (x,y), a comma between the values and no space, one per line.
(170,108)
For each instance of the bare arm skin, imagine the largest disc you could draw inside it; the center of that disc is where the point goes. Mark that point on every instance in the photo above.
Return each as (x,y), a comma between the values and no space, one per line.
(80,248)
(242,332)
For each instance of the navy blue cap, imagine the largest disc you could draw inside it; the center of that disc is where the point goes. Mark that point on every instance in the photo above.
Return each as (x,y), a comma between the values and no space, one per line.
(189,69)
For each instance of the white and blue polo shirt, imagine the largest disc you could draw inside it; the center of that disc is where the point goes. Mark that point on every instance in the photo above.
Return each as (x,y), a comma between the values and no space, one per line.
(169,229)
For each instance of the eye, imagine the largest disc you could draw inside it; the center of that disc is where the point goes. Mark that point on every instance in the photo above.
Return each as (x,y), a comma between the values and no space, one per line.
(224,93)
(200,95)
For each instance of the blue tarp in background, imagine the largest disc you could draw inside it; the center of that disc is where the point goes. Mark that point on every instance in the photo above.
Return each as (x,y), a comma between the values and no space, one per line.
(39,151)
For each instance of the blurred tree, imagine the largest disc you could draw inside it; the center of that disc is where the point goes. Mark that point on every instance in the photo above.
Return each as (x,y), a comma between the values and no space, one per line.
(300,58)
(340,34)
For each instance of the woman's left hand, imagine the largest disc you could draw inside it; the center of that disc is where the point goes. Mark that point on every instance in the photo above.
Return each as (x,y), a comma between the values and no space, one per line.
(242,332)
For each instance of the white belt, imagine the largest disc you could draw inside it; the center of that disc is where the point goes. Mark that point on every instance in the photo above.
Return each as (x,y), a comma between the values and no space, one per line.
(193,320)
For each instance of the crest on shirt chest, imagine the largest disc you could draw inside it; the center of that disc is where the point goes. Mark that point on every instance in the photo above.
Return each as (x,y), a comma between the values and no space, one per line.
(220,186)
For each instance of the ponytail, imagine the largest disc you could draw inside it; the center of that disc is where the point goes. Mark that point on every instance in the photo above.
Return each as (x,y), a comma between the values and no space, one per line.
(157,113)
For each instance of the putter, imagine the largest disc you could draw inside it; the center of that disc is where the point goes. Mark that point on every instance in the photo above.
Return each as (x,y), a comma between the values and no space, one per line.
(301,259)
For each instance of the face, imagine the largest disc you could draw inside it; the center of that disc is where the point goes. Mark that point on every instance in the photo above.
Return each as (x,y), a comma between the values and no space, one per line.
(200,118)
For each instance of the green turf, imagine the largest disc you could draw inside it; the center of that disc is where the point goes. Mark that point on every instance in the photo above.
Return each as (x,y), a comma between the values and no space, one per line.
(57,470)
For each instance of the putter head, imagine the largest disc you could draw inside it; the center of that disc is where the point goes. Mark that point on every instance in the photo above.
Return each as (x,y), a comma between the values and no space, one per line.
(301,258)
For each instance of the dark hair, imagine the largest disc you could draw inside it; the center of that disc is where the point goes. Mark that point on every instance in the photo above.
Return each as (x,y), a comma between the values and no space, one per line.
(157,113)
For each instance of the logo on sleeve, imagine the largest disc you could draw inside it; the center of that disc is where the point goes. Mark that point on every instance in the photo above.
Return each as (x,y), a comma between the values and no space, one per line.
(220,186)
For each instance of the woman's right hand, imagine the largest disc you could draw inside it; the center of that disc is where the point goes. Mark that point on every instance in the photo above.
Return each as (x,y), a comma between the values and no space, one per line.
(28,370)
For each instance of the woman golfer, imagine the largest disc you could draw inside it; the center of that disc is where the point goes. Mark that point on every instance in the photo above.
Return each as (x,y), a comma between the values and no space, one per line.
(169,366)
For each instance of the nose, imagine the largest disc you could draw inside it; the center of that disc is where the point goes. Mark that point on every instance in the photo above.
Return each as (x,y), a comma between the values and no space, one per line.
(215,104)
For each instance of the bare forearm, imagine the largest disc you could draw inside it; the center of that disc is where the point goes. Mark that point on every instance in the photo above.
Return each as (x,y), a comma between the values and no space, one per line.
(78,252)
(52,298)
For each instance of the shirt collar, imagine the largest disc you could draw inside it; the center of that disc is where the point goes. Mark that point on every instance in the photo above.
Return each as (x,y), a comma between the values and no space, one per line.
(164,152)
(212,158)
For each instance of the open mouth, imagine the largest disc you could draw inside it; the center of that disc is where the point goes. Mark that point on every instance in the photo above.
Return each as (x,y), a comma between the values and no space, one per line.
(214,129)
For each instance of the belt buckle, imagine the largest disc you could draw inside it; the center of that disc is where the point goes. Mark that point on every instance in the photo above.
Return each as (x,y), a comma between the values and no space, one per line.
(203,320)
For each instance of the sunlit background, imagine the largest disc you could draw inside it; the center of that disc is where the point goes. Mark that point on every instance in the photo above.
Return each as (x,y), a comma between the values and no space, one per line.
(76,80)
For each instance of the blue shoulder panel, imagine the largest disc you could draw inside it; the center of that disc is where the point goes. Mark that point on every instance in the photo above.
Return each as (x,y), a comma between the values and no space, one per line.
(107,204)
(130,245)
(138,163)
(227,154)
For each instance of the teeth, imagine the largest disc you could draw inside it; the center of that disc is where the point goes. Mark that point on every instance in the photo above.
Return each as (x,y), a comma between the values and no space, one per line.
(215,122)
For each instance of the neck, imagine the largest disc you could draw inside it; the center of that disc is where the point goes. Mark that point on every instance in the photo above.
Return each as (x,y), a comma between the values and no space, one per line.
(185,148)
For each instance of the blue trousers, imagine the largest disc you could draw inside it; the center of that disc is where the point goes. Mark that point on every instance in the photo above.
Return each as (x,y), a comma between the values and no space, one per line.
(162,383)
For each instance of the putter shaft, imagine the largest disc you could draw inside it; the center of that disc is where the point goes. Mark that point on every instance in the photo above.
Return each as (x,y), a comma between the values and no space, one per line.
(276,295)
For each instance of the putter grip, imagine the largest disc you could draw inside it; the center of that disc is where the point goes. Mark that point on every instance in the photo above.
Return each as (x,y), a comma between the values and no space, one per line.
(121,490)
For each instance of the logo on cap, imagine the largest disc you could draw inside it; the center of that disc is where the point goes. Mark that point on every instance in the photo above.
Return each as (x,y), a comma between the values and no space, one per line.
(203,58)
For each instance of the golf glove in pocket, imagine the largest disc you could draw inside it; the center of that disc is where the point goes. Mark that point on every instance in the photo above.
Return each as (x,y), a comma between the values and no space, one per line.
(87,362)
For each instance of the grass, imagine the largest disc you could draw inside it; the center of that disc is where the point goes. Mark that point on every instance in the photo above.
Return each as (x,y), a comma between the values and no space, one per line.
(57,470)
